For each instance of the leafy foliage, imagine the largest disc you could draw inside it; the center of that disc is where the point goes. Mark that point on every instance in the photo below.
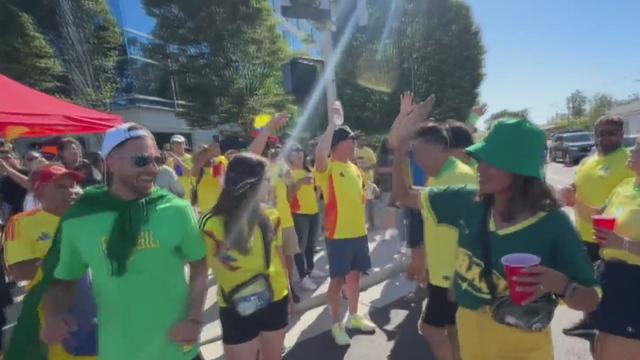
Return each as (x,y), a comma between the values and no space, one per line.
(429,47)
(226,55)
(83,44)
(519,114)
(598,105)
(577,104)
(25,55)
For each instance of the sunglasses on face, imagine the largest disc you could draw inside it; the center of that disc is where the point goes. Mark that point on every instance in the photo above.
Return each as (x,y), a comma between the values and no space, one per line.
(141,161)
(603,133)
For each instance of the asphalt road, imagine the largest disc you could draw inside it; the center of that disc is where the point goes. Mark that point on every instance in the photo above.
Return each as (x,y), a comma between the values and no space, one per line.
(396,336)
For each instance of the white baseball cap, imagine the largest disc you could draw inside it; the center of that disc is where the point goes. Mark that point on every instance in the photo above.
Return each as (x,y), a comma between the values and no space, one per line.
(178,139)
(119,134)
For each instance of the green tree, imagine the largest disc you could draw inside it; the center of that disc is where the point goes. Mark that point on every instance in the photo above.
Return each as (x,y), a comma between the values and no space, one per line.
(577,104)
(90,45)
(425,46)
(25,55)
(520,114)
(599,105)
(226,55)
(85,41)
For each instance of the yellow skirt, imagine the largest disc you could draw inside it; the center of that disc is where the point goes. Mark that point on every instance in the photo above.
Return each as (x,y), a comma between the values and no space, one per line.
(481,338)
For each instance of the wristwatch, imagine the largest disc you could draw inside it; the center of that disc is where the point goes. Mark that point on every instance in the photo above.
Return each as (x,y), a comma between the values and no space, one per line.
(570,291)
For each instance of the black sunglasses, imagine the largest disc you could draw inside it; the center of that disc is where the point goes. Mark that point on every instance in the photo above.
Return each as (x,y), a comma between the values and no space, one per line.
(141,161)
(602,133)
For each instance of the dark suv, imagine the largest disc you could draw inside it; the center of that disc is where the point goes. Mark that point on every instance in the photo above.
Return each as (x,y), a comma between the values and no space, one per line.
(571,147)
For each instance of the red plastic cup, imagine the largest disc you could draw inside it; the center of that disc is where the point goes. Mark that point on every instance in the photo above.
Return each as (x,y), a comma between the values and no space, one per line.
(603,222)
(513,266)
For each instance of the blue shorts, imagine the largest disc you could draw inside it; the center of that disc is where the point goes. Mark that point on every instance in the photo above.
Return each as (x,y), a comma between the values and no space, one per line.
(346,255)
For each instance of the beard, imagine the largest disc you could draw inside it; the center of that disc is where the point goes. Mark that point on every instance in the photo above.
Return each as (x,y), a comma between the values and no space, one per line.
(134,186)
(608,148)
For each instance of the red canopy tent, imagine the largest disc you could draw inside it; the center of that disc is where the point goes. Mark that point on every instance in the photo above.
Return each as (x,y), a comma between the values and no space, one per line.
(25,112)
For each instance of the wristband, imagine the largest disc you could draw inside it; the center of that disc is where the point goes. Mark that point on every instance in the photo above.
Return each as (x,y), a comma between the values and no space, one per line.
(626,244)
(570,291)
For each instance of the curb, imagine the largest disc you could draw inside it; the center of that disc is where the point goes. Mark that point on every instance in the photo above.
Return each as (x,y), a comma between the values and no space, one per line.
(318,300)
(368,281)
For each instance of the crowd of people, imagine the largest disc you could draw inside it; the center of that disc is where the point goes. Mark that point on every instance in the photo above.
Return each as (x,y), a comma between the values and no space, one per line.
(103,242)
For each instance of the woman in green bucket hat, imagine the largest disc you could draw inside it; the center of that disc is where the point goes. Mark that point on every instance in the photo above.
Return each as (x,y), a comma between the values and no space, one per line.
(512,212)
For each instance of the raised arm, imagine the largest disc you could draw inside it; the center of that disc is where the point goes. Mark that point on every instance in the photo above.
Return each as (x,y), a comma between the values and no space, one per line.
(401,188)
(323,150)
(16,176)
(403,128)
(204,155)
(260,142)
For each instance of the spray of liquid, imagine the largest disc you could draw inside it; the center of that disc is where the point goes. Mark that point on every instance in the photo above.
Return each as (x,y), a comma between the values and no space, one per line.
(316,96)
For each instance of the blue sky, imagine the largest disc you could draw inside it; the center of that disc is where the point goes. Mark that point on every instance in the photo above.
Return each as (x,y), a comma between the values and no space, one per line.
(539,51)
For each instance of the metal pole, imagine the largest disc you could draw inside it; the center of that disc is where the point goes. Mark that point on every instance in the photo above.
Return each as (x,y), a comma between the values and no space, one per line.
(326,43)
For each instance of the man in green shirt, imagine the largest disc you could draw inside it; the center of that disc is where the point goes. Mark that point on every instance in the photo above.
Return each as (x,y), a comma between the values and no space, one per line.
(135,240)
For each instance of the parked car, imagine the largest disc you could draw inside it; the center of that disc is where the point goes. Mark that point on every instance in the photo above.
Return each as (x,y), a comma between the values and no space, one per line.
(571,147)
(629,141)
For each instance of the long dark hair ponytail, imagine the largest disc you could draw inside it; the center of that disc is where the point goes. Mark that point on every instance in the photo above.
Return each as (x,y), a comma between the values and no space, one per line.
(240,204)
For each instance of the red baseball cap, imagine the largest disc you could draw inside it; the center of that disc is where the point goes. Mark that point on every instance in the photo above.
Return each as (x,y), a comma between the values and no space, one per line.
(49,173)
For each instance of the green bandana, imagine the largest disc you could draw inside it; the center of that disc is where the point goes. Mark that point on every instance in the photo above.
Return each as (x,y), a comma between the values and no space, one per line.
(132,215)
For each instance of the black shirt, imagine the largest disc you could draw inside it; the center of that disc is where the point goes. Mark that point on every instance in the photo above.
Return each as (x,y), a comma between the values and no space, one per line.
(12,193)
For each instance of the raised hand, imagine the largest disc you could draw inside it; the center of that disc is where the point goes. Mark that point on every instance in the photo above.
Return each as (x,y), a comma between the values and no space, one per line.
(406,102)
(479,110)
(278,121)
(418,116)
(336,113)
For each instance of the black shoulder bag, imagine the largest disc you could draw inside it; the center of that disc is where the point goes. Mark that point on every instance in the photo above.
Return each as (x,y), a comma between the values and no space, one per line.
(254,294)
(534,317)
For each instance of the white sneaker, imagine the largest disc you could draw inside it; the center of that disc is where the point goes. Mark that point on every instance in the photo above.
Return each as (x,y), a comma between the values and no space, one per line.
(307,284)
(316,274)
(358,322)
(340,336)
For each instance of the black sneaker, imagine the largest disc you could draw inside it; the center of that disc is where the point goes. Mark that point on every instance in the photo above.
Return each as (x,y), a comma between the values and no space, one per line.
(295,297)
(583,329)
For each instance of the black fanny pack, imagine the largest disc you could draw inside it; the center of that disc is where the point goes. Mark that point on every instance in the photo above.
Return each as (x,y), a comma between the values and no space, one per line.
(533,317)
(251,296)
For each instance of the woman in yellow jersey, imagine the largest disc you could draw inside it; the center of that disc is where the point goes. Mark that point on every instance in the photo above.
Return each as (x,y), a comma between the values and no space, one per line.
(244,251)
(512,211)
(618,315)
(304,208)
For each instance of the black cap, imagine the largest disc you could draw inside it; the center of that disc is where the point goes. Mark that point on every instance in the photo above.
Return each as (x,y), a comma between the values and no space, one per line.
(341,134)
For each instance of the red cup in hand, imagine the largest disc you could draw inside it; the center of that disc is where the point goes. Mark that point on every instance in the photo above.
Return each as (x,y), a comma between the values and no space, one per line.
(514,264)
(603,222)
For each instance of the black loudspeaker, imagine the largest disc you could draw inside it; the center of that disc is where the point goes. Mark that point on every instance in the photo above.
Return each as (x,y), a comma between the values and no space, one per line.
(299,78)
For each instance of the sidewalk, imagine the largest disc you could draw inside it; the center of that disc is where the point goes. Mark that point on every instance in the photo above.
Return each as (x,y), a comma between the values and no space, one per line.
(385,283)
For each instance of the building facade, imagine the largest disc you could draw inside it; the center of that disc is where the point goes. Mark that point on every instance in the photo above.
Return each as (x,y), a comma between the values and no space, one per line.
(149,94)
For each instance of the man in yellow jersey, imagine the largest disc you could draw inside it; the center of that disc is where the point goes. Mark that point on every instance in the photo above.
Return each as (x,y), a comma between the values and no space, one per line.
(596,177)
(209,167)
(283,189)
(345,228)
(29,234)
(460,138)
(181,163)
(366,160)
(432,150)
